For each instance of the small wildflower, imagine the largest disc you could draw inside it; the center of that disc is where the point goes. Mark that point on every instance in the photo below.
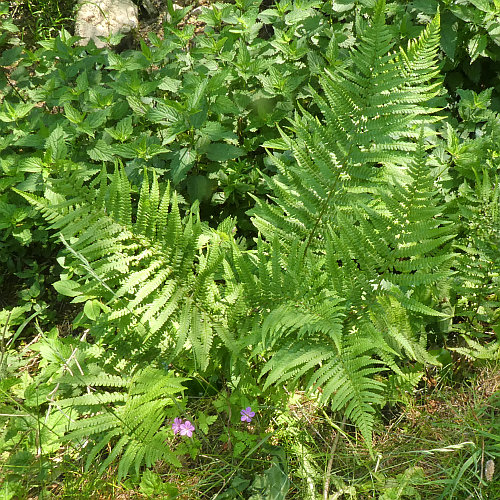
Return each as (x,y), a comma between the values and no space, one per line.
(176,426)
(247,414)
(187,429)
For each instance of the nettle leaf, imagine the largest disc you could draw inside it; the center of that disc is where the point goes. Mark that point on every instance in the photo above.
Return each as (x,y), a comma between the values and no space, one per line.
(180,165)
(96,119)
(72,114)
(163,113)
(215,131)
(218,151)
(100,97)
(342,5)
(169,84)
(223,105)
(449,33)
(10,56)
(15,112)
(102,151)
(476,46)
(196,98)
(56,144)
(138,106)
(123,129)
(82,82)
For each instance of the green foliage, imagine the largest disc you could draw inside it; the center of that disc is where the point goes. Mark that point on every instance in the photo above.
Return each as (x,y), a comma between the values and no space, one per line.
(371,240)
(154,277)
(134,413)
(156,273)
(40,19)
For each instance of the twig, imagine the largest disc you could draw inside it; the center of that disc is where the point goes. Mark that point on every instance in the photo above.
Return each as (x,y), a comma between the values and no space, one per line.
(14,88)
(330,460)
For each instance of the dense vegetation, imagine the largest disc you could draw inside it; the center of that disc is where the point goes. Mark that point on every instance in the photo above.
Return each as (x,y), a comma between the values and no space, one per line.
(259,261)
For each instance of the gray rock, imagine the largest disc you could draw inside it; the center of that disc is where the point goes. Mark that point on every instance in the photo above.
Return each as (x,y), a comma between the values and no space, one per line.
(104,18)
(197,11)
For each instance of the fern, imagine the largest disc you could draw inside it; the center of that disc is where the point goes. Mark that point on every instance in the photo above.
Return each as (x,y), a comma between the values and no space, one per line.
(478,265)
(155,274)
(339,309)
(334,294)
(133,415)
(372,108)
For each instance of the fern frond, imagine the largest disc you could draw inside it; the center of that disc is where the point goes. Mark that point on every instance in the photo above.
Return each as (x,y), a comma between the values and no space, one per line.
(371,108)
(136,417)
(150,272)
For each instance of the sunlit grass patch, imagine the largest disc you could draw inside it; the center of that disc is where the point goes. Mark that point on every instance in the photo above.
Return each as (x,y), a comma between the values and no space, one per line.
(40,19)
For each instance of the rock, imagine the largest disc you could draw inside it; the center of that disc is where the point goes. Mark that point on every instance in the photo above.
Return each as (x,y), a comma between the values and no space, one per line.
(196,11)
(103,18)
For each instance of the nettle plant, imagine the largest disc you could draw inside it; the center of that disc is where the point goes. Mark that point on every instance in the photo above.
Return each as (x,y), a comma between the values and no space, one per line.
(196,108)
(350,266)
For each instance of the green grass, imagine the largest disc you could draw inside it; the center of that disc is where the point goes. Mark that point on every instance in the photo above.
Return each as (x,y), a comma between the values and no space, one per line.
(40,19)
(434,448)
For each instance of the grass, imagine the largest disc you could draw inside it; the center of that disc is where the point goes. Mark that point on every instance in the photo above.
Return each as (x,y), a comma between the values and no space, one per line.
(41,19)
(436,447)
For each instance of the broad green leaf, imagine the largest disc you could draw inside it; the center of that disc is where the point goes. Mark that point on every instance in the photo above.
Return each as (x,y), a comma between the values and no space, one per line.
(163,113)
(219,151)
(215,131)
(72,114)
(449,34)
(69,288)
(476,46)
(223,106)
(182,162)
(92,309)
(170,84)
(82,82)
(56,144)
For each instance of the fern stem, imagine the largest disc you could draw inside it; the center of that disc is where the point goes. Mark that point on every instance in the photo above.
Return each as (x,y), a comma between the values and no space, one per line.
(326,204)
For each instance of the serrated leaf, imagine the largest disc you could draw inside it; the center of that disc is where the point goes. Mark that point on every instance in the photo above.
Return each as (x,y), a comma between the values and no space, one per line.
(72,114)
(56,144)
(82,82)
(169,84)
(224,106)
(163,113)
(182,162)
(137,105)
(219,151)
(215,131)
(123,129)
(449,34)
(476,46)
(95,119)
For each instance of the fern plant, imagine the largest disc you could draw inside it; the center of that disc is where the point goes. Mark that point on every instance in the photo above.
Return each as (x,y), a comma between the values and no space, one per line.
(351,300)
(372,107)
(129,408)
(478,282)
(152,270)
(334,294)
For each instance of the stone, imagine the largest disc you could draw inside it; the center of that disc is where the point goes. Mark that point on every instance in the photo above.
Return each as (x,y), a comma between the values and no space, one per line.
(196,11)
(104,18)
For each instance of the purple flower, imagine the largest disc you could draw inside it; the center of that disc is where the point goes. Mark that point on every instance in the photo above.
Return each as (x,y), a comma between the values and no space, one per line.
(176,426)
(247,414)
(187,429)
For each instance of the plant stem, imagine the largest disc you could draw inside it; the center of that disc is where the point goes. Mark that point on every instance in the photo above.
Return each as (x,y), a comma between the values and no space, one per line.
(330,460)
